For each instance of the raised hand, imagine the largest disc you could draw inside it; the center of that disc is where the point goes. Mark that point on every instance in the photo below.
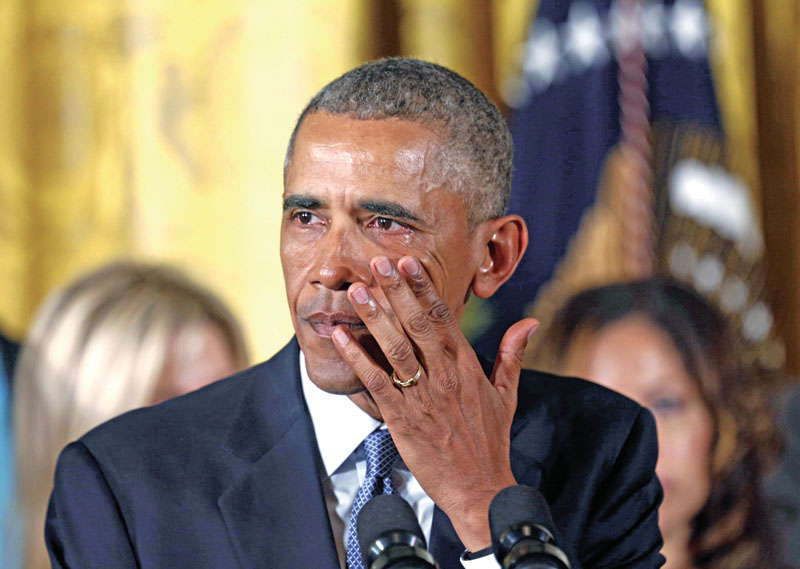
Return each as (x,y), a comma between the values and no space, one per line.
(452,426)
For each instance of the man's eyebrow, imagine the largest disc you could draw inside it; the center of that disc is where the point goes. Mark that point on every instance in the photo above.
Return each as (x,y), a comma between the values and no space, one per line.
(389,209)
(302,202)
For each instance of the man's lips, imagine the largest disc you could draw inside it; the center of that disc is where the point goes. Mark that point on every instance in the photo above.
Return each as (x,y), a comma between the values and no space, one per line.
(324,323)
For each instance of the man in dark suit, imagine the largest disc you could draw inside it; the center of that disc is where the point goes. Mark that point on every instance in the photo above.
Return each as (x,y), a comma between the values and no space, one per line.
(395,187)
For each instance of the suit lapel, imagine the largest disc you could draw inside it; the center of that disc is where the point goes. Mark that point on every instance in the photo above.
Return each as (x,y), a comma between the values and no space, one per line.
(275,513)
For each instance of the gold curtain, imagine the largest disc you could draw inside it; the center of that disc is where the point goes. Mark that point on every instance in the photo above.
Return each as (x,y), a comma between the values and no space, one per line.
(777,71)
(157,130)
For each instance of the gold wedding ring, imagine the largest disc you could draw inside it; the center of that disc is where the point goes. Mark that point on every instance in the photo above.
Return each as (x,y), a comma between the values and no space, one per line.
(397,381)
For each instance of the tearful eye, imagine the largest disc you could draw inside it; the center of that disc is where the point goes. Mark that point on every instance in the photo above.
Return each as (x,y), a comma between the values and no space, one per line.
(387,224)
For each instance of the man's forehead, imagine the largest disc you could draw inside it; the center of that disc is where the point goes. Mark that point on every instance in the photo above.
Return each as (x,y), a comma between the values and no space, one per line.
(329,134)
(415,158)
(342,145)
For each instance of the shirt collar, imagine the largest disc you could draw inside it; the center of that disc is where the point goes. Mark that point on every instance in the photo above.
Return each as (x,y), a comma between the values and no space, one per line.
(339,424)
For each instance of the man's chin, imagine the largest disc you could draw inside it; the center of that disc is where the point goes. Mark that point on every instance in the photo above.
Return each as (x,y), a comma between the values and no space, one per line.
(329,371)
(333,376)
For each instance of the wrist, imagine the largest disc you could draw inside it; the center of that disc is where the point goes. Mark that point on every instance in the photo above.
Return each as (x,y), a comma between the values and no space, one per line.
(473,531)
(470,518)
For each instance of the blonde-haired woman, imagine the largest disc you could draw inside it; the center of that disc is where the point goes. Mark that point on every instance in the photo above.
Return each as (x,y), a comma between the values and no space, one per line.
(124,336)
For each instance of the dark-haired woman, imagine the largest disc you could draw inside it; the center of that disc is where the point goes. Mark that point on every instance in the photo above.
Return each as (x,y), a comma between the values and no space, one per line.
(667,348)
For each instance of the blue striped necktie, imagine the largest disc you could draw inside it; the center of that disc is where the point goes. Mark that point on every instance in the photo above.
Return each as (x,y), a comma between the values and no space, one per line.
(381,456)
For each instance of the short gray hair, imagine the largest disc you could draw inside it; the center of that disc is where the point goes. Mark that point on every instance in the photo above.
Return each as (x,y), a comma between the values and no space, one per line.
(476,149)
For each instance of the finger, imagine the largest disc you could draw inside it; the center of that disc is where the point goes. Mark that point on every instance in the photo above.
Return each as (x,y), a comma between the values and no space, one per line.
(373,376)
(394,343)
(507,366)
(439,314)
(405,305)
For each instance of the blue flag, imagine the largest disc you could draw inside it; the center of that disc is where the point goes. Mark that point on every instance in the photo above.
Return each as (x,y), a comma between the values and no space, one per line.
(567,117)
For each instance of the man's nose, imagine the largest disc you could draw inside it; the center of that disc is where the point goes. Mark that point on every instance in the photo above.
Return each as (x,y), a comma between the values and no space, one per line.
(342,259)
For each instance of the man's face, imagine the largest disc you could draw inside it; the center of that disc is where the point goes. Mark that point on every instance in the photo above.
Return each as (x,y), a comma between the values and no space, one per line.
(355,190)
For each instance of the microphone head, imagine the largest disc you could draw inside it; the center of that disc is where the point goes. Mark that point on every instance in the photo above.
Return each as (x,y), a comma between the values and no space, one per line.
(522,530)
(517,505)
(385,514)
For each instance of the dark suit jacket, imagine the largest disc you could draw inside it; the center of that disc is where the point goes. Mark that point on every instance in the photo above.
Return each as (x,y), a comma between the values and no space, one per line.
(229,477)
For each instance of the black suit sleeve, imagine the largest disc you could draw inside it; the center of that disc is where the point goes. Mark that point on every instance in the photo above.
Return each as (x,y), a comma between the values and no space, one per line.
(625,510)
(84,528)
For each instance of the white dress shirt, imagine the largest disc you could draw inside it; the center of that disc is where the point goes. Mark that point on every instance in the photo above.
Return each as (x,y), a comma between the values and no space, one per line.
(341,427)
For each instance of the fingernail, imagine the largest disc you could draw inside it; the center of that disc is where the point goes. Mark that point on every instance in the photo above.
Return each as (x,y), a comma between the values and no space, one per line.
(384,266)
(360,295)
(412,267)
(341,337)
(531,331)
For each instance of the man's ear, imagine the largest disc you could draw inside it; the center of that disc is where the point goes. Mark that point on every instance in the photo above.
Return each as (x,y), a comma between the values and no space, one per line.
(504,242)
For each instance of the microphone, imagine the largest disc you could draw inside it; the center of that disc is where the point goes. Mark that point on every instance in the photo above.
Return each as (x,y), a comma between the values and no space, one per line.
(520,523)
(389,535)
